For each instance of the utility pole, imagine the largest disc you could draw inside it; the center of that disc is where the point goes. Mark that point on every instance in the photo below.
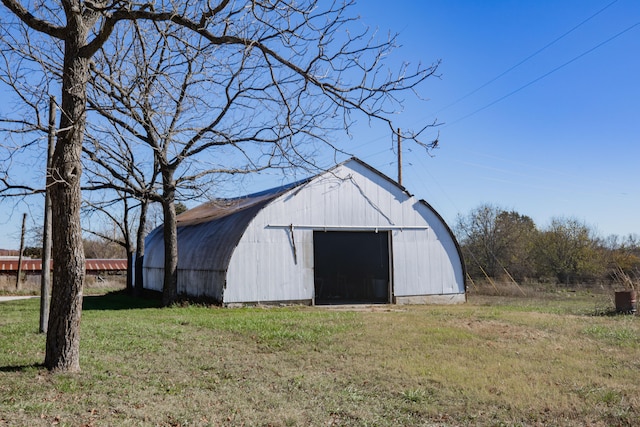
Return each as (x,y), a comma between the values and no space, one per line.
(399,158)
(45,279)
(24,229)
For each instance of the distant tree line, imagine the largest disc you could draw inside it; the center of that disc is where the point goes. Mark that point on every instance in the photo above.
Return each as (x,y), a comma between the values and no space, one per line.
(498,243)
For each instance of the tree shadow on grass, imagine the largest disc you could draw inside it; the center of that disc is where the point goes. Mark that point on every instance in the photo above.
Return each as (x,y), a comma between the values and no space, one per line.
(22,368)
(121,300)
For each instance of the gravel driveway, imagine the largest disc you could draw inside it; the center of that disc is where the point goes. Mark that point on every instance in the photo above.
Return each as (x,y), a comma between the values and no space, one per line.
(10,298)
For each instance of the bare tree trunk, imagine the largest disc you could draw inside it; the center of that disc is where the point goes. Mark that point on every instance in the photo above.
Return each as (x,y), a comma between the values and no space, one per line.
(24,230)
(170,286)
(63,333)
(126,234)
(130,260)
(142,225)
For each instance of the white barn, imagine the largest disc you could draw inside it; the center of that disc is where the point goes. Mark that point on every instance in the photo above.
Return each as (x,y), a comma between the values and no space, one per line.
(349,235)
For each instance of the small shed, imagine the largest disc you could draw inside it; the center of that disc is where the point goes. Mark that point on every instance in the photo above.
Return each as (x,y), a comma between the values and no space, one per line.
(346,236)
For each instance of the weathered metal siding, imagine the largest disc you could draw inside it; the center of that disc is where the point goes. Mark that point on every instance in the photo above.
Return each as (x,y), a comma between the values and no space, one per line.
(266,269)
(153,263)
(273,262)
(153,278)
(426,262)
(204,251)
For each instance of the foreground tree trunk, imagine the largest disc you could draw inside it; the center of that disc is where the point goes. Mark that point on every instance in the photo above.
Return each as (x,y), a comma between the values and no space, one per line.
(139,256)
(128,246)
(131,254)
(170,288)
(63,332)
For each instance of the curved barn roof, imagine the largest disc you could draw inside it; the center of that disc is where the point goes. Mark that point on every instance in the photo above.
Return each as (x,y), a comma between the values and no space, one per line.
(221,208)
(226,219)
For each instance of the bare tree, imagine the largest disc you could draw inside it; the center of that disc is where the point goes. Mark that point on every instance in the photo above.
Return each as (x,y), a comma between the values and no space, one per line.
(496,241)
(113,167)
(117,230)
(568,249)
(216,110)
(300,56)
(478,233)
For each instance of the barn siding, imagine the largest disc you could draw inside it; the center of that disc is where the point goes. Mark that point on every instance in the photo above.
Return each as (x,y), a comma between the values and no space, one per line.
(427,266)
(153,278)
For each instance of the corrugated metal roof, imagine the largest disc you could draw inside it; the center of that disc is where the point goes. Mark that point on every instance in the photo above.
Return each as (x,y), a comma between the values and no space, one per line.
(221,208)
(106,264)
(92,265)
(28,265)
(226,219)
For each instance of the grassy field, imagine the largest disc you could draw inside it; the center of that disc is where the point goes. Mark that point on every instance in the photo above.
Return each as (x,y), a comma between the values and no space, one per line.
(561,359)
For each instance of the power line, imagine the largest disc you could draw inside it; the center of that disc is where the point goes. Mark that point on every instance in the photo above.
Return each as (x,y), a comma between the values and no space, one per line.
(527,58)
(377,153)
(566,33)
(545,75)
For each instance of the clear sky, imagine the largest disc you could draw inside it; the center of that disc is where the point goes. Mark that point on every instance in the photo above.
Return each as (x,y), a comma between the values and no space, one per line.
(539,105)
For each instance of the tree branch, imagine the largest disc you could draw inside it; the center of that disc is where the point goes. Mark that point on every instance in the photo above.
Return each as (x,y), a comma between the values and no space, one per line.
(37,24)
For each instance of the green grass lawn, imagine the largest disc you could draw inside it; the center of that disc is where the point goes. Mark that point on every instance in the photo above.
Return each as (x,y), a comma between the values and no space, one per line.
(494,361)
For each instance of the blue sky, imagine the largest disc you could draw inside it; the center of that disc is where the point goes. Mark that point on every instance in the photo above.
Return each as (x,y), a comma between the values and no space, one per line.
(556,136)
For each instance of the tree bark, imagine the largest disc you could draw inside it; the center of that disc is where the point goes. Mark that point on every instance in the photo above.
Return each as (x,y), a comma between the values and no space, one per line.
(63,332)
(130,260)
(170,287)
(142,225)
(128,247)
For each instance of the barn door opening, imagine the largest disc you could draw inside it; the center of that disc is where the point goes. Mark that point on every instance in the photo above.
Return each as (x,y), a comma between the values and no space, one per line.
(351,267)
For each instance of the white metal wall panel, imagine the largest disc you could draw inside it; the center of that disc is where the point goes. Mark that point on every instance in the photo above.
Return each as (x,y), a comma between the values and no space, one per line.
(266,270)
(153,279)
(424,267)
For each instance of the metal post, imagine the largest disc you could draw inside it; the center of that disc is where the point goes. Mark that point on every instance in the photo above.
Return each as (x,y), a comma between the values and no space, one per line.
(24,223)
(399,157)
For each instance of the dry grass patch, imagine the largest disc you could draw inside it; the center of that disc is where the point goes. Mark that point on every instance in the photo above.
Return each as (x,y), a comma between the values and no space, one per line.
(30,284)
(485,363)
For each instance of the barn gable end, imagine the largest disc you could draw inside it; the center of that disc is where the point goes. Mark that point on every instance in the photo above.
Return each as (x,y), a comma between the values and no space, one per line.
(348,235)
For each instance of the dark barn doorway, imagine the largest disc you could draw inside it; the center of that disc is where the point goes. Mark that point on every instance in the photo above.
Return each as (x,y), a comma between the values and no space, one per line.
(351,267)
